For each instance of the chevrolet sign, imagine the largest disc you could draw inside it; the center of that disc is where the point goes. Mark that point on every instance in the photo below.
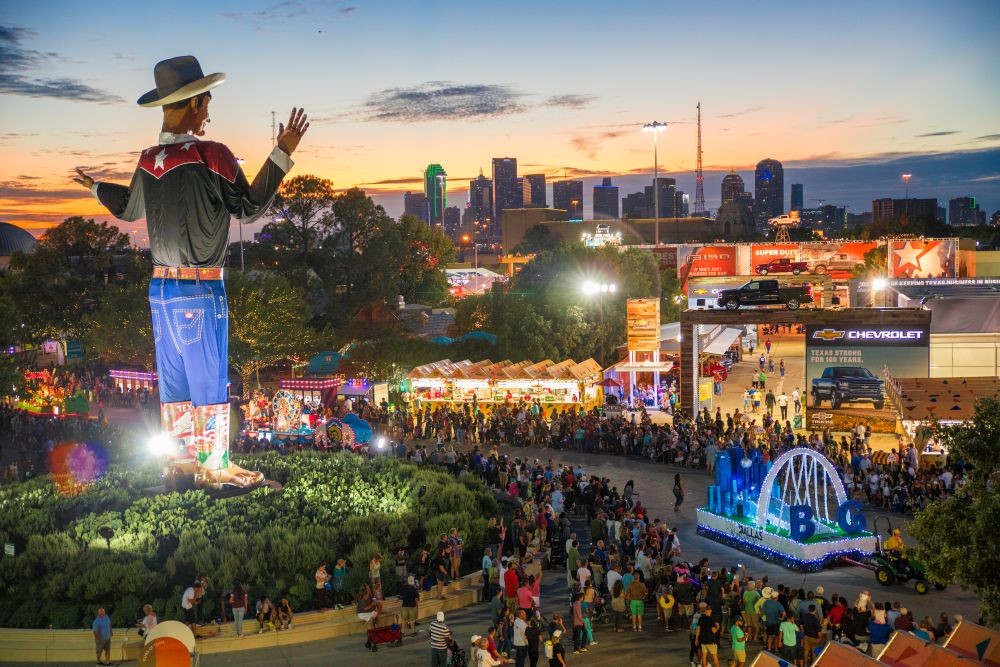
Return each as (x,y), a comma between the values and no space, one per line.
(912,334)
(868,334)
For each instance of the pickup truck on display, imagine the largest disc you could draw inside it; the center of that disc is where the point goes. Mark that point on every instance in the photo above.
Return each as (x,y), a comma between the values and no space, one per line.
(765,293)
(838,261)
(847,384)
(782,265)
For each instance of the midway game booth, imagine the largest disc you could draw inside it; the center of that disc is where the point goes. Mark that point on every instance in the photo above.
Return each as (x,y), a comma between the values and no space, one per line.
(483,384)
(793,511)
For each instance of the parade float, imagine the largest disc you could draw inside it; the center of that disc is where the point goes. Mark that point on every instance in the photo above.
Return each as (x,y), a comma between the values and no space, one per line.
(793,511)
(51,396)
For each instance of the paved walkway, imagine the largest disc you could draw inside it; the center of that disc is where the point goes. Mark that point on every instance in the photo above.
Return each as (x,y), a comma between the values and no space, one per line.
(653,647)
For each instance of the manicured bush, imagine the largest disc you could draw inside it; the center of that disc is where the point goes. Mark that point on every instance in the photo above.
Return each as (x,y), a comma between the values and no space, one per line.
(332,506)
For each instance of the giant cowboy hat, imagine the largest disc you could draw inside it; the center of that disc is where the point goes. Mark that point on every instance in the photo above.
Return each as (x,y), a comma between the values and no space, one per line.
(178,79)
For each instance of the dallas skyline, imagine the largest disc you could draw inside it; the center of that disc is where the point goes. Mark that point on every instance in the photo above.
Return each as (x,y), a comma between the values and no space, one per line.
(394,86)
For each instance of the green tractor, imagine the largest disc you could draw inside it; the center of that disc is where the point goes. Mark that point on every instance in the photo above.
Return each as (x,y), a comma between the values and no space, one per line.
(892,566)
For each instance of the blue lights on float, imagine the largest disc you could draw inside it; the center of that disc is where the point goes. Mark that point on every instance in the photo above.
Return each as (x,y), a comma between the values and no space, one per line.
(793,510)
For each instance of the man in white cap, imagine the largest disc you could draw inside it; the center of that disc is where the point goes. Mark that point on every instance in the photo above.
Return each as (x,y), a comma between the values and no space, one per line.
(558,657)
(188,190)
(440,638)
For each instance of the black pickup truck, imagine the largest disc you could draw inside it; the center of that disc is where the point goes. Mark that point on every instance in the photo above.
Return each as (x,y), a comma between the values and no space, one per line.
(765,293)
(847,384)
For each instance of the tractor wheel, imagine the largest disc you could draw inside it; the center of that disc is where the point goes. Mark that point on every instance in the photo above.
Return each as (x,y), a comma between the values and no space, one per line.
(921,587)
(792,304)
(732,304)
(884,576)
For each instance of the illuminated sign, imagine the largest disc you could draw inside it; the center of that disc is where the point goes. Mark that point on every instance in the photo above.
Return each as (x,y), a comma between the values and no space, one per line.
(829,336)
(643,325)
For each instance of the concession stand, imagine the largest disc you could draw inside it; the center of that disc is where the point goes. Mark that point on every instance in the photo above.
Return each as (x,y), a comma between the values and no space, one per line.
(485,383)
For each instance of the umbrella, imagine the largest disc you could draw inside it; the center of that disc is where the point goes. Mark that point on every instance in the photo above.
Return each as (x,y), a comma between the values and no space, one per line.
(609,382)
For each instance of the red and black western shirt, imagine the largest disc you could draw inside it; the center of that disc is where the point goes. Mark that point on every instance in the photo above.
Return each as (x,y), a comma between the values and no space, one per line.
(188,190)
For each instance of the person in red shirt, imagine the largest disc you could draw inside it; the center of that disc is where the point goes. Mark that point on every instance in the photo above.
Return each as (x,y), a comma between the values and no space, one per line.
(524,600)
(510,585)
(836,616)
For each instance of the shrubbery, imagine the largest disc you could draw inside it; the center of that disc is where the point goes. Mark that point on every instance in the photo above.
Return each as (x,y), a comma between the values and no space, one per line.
(332,506)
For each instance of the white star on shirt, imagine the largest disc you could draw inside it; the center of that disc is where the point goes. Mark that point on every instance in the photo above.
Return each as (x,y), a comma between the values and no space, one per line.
(160,157)
(186,145)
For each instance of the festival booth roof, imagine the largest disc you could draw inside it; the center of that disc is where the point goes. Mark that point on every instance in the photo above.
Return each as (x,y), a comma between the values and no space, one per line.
(507,370)
(835,654)
(976,642)
(906,650)
(765,659)
(927,399)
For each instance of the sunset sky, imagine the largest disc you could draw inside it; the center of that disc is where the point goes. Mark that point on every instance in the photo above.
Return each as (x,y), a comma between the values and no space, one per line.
(848,95)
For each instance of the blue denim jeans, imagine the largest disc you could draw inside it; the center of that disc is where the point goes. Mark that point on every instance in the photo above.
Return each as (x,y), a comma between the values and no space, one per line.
(191,336)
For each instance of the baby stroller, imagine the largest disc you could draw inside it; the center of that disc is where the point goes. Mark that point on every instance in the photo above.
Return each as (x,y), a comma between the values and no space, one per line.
(456,655)
(557,554)
(390,634)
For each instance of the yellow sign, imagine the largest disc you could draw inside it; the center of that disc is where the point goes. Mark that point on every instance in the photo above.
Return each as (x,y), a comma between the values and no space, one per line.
(643,325)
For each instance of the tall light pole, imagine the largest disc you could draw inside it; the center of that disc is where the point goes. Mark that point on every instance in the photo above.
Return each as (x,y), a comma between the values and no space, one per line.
(655,127)
(599,290)
(906,181)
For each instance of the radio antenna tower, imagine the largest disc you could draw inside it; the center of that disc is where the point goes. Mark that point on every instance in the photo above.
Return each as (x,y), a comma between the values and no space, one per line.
(699,178)
(274,130)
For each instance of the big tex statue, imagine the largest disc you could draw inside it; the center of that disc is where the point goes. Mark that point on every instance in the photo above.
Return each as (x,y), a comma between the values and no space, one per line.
(188,189)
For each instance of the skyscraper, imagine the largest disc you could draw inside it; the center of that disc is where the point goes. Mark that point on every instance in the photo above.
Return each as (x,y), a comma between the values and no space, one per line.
(667,188)
(452,222)
(417,205)
(506,193)
(534,191)
(965,211)
(481,204)
(769,191)
(436,191)
(634,206)
(605,200)
(732,186)
(568,195)
(797,197)
(883,209)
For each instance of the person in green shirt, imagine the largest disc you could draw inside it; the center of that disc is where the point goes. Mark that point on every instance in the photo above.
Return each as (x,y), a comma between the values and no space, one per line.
(789,639)
(750,617)
(739,639)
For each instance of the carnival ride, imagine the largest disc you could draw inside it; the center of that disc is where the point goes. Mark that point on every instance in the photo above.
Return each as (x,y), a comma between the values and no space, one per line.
(793,511)
(287,418)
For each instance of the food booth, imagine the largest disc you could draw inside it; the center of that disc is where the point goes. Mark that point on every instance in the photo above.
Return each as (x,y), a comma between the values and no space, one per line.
(485,383)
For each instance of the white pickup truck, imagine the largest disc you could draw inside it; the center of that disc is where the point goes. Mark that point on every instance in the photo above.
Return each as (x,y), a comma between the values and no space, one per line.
(838,261)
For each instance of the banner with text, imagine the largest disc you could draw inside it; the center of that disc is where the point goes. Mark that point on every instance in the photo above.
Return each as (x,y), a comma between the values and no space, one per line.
(700,261)
(845,385)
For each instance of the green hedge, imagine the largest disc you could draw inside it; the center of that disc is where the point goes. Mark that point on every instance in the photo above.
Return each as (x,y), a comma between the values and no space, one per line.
(332,506)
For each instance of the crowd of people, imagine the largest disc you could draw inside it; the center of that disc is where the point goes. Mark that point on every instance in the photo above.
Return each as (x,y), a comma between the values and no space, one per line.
(630,561)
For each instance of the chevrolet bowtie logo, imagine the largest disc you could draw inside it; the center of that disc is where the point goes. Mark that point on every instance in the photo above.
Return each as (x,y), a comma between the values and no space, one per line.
(829,334)
(701,290)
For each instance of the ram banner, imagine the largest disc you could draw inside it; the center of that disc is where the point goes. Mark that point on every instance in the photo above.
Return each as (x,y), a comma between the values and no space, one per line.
(845,382)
